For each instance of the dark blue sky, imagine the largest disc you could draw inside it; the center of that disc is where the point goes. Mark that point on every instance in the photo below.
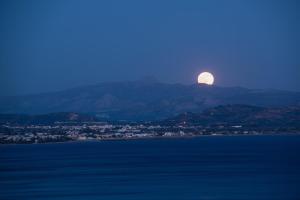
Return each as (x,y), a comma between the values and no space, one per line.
(52,45)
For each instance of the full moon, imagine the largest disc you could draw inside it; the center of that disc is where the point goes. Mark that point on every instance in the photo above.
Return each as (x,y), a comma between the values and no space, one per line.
(206,78)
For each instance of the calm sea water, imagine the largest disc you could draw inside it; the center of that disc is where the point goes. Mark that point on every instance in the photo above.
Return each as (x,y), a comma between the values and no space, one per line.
(241,167)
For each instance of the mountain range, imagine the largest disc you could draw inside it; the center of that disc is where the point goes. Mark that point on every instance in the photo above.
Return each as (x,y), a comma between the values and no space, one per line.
(143,100)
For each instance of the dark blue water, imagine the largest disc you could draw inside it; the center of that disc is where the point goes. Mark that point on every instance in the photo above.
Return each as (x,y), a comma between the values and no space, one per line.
(242,167)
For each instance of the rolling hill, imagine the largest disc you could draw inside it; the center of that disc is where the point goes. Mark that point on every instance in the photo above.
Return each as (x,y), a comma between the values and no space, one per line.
(244,115)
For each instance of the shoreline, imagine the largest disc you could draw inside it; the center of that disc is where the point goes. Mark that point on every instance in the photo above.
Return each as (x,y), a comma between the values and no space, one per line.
(154,138)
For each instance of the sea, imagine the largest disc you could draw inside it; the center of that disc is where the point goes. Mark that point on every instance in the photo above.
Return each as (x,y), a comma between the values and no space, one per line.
(198,168)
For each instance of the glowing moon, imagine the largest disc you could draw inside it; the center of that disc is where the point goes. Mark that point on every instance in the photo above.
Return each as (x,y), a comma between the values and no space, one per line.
(206,78)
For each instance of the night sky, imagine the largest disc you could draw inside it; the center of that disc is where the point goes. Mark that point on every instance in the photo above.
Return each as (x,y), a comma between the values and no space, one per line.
(53,45)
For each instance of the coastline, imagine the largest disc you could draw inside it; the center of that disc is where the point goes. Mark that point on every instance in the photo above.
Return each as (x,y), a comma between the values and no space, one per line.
(155,138)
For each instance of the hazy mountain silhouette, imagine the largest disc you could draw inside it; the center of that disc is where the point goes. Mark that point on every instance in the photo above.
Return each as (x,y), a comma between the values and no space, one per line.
(143,100)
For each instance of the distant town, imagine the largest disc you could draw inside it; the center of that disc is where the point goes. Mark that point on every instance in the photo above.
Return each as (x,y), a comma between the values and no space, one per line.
(63,132)
(220,120)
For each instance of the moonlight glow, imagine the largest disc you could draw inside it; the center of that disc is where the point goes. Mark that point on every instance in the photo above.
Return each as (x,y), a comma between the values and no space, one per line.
(206,78)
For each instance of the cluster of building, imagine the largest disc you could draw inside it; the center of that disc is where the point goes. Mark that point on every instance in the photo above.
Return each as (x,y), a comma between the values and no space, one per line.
(103,131)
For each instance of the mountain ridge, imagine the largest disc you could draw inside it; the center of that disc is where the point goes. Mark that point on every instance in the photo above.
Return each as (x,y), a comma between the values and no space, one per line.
(144,100)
